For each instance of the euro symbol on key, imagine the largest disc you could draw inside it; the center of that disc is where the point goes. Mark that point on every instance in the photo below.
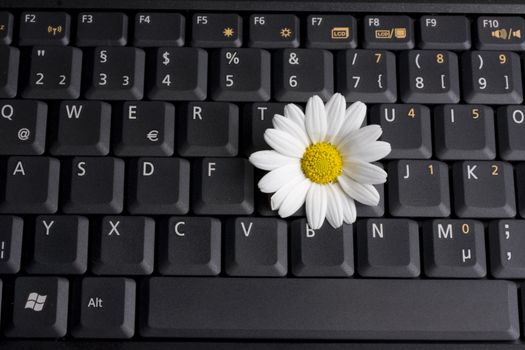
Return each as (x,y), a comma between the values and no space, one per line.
(153,135)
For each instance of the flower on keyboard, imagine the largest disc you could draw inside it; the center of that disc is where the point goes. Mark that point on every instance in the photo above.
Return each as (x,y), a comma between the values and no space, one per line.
(322,158)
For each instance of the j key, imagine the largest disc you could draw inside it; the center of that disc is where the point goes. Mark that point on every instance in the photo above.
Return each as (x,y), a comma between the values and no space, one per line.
(331,32)
(406,128)
(123,245)
(222,186)
(93,186)
(59,245)
(323,252)
(507,247)
(29,185)
(159,29)
(500,33)
(216,30)
(10,244)
(454,249)
(367,75)
(388,32)
(9,61)
(208,129)
(40,308)
(6,28)
(158,186)
(102,29)
(240,75)
(492,77)
(54,73)
(444,32)
(83,129)
(190,246)
(179,74)
(145,129)
(256,247)
(520,186)
(511,132)
(22,127)
(44,28)
(274,31)
(484,189)
(257,117)
(117,74)
(418,188)
(388,248)
(464,132)
(300,73)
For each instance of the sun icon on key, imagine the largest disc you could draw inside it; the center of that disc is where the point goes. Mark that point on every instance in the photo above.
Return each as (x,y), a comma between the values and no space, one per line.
(228,32)
(286,32)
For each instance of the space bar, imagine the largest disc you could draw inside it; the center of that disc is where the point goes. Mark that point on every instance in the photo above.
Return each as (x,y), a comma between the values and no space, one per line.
(329,309)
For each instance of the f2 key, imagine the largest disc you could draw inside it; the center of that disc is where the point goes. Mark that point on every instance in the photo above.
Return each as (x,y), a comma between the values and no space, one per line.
(44,28)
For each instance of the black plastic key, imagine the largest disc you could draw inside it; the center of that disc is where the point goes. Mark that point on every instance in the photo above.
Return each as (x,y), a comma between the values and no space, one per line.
(271,31)
(500,33)
(159,29)
(102,29)
(331,31)
(444,32)
(6,28)
(388,32)
(216,30)
(257,117)
(507,244)
(520,188)
(9,62)
(10,244)
(511,132)
(44,28)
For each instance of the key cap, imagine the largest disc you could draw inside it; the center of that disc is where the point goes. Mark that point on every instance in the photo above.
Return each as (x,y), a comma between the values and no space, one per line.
(484,189)
(300,73)
(145,129)
(159,29)
(500,33)
(10,243)
(83,129)
(491,77)
(208,129)
(102,29)
(40,308)
(93,186)
(345,309)
(9,60)
(511,132)
(158,186)
(179,74)
(388,32)
(222,186)
(363,210)
(22,127)
(388,248)
(257,117)
(30,185)
(325,252)
(216,30)
(256,247)
(464,132)
(271,31)
(454,248)
(331,31)
(190,246)
(366,75)
(520,187)
(44,28)
(6,28)
(507,244)
(124,245)
(106,309)
(240,75)
(444,33)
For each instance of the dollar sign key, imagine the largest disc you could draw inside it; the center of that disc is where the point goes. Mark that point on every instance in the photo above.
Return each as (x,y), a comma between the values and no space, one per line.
(165,57)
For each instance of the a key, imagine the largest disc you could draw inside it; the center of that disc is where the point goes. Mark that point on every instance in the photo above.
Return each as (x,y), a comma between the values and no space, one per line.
(491,77)
(208,129)
(444,32)
(507,244)
(388,248)
(59,245)
(145,129)
(271,31)
(240,75)
(216,30)
(418,188)
(511,132)
(367,75)
(9,61)
(325,252)
(105,309)
(190,246)
(300,73)
(44,28)
(454,249)
(159,29)
(257,117)
(93,186)
(83,129)
(500,33)
(464,132)
(29,185)
(102,29)
(158,186)
(331,31)
(123,245)
(256,247)
(6,28)
(520,187)
(178,74)
(117,74)
(10,243)
(388,32)
(222,186)
(406,128)
(484,189)
(22,127)
(40,308)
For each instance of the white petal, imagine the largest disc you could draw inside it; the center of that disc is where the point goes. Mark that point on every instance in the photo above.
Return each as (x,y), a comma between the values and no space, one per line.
(368,153)
(277,178)
(295,113)
(364,172)
(316,123)
(284,143)
(335,205)
(295,199)
(360,137)
(349,209)
(279,196)
(354,117)
(316,205)
(289,126)
(335,113)
(270,160)
(366,194)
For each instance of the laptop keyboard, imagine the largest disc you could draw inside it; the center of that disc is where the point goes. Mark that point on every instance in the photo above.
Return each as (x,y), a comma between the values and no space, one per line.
(129,208)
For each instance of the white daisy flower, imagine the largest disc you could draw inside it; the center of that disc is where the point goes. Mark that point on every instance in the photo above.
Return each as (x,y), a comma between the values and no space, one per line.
(322,158)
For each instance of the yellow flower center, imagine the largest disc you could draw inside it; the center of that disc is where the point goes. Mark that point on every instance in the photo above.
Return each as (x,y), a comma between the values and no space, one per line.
(322,163)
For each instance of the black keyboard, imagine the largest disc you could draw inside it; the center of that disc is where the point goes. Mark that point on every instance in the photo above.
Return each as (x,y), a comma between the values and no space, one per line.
(130,216)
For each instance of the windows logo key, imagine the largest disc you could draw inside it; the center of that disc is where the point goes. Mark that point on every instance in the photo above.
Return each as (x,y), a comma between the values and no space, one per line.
(35,301)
